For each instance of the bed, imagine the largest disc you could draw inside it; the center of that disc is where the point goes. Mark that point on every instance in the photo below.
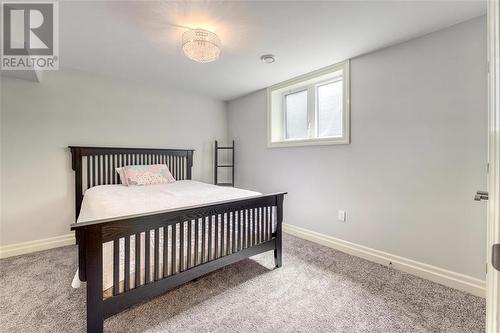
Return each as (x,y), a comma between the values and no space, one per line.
(137,242)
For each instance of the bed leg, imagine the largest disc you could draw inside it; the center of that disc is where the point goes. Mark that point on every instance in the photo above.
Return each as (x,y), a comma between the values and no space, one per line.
(95,317)
(277,257)
(279,232)
(82,266)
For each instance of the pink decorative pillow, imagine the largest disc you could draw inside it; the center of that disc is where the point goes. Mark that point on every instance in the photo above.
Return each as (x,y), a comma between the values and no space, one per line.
(148,174)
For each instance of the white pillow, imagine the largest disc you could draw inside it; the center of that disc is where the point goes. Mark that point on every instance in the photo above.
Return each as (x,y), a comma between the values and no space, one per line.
(123,178)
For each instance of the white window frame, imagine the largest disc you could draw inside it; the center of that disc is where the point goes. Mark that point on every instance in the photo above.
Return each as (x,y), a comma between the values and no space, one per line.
(276,113)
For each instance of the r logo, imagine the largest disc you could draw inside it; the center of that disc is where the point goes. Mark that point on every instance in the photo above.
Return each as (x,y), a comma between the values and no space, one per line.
(28,29)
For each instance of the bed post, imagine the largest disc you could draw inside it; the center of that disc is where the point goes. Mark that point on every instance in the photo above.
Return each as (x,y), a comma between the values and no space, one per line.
(76,163)
(95,303)
(279,231)
(189,158)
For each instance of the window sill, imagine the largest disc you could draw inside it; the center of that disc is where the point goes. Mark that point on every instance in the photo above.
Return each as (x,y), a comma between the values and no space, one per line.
(308,142)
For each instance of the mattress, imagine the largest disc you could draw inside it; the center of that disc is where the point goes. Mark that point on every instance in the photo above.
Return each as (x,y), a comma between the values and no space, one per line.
(111,201)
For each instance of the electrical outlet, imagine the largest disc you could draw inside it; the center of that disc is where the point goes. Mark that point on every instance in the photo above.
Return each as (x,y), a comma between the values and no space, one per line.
(341,216)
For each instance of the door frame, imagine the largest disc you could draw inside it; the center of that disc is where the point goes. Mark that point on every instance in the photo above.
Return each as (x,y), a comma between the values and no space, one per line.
(493,276)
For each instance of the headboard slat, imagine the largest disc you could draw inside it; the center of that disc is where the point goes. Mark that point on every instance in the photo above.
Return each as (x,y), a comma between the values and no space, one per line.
(96,165)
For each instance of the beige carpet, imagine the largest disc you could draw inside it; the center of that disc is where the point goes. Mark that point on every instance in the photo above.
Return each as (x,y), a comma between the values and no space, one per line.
(317,290)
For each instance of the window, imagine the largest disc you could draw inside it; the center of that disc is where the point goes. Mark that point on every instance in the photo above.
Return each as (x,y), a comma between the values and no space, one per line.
(329,109)
(312,109)
(296,124)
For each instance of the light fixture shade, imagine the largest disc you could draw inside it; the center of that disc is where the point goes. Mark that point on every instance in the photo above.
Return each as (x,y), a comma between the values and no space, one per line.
(201,45)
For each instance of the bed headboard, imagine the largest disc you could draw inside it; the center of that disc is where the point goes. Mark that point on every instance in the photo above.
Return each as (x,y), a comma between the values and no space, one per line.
(96,165)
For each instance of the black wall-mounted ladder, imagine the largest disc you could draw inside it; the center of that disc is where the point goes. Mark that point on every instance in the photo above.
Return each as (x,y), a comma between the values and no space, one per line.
(217,165)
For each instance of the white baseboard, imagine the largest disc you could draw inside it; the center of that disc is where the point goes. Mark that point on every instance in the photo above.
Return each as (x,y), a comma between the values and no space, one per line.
(37,245)
(439,275)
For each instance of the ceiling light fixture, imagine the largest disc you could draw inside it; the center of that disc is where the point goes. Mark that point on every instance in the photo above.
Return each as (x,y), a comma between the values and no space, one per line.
(201,45)
(268,58)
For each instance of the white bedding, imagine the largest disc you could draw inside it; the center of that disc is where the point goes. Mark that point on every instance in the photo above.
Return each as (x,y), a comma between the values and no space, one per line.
(107,201)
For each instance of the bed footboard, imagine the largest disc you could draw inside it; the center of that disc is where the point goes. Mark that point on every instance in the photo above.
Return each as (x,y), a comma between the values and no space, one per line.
(185,244)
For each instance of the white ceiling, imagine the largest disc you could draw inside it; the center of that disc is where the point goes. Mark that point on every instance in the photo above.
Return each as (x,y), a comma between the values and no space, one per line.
(140,41)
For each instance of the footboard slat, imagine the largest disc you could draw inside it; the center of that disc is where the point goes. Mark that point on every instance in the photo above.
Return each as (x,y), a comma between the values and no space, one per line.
(228,232)
(156,271)
(181,247)
(216,251)
(258,228)
(188,252)
(165,251)
(174,247)
(222,233)
(270,218)
(264,224)
(196,240)
(262,227)
(269,224)
(254,226)
(257,225)
(137,281)
(241,233)
(147,257)
(248,226)
(210,221)
(255,231)
(116,266)
(244,228)
(127,263)
(203,239)
(233,224)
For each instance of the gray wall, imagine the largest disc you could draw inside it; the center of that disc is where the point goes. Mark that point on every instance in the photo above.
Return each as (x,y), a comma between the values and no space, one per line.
(39,120)
(418,154)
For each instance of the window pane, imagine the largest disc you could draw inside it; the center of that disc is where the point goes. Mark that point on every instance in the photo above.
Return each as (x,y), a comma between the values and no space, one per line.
(330,109)
(296,115)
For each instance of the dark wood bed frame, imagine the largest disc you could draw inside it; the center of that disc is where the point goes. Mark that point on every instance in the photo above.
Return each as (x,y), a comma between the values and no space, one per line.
(251,232)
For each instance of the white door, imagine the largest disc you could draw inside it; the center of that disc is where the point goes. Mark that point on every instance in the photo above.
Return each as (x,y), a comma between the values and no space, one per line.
(493,275)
